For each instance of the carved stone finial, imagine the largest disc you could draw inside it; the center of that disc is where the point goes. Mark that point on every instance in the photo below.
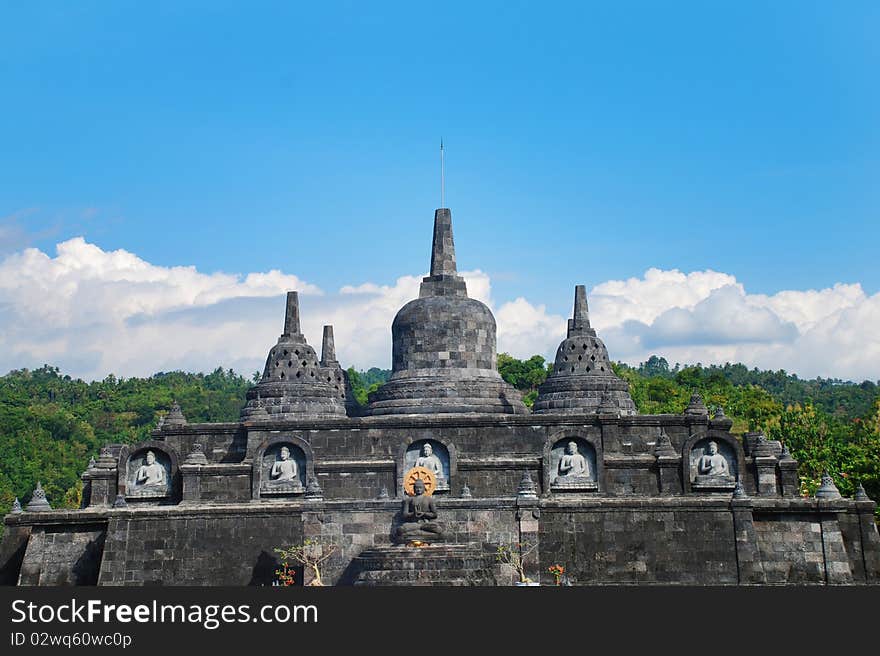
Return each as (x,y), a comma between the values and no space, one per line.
(663,448)
(383,493)
(161,422)
(860,494)
(720,421)
(16,507)
(465,491)
(763,448)
(92,463)
(38,502)
(106,459)
(527,488)
(828,490)
(696,406)
(175,416)
(739,492)
(196,456)
(313,490)
(120,502)
(786,454)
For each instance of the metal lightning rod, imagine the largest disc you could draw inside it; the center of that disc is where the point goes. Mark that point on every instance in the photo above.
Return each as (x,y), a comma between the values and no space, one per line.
(442,176)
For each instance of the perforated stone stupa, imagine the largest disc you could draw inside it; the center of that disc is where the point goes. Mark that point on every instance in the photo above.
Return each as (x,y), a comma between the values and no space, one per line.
(295,383)
(582,379)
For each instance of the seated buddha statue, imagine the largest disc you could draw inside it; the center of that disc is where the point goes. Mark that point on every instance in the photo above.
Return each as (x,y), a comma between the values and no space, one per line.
(713,470)
(284,472)
(150,475)
(418,513)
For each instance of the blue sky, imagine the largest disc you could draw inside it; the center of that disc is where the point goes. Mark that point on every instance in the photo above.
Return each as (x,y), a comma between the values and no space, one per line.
(586,142)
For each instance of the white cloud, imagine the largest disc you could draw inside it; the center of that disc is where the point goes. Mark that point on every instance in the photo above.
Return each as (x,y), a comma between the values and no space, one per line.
(93,312)
(645,299)
(525,329)
(708,317)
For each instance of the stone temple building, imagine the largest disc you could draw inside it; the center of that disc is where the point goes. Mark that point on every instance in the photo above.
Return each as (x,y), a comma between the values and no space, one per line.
(581,480)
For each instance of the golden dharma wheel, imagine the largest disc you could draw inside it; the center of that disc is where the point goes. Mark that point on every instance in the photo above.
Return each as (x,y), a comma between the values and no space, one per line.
(419,474)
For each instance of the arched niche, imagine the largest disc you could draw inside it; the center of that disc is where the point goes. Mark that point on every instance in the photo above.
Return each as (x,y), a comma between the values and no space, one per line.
(282,466)
(439,456)
(711,462)
(148,471)
(573,462)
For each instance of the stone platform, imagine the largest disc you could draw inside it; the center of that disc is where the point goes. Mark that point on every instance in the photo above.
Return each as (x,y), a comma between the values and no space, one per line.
(442,564)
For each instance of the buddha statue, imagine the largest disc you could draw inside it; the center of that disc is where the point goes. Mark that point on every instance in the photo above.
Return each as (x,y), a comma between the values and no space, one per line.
(713,463)
(713,470)
(284,473)
(429,460)
(573,463)
(285,469)
(573,470)
(150,475)
(418,514)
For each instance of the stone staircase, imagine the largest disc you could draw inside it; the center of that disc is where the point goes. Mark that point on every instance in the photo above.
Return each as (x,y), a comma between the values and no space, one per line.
(441,564)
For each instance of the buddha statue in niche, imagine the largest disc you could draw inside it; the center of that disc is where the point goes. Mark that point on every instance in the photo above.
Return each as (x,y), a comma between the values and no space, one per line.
(285,469)
(573,463)
(283,475)
(429,460)
(713,469)
(150,475)
(573,470)
(713,463)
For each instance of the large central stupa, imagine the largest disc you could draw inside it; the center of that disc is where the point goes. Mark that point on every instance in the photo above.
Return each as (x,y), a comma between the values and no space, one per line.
(444,358)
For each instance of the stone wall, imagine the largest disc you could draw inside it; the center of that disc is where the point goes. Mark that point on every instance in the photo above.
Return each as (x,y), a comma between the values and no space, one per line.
(205,546)
(639,522)
(68,554)
(599,540)
(648,542)
(354,458)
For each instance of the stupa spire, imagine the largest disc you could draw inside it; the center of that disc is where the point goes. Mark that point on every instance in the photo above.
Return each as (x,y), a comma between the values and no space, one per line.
(580,323)
(291,315)
(328,347)
(443,248)
(443,279)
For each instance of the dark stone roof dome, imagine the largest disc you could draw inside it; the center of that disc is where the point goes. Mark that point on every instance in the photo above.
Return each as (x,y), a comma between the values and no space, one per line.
(444,332)
(444,357)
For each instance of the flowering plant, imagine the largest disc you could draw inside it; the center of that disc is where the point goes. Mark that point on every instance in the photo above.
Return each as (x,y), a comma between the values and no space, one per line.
(285,575)
(557,571)
(310,554)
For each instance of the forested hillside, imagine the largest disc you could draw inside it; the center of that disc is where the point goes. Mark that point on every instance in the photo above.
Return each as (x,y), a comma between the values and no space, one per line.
(51,424)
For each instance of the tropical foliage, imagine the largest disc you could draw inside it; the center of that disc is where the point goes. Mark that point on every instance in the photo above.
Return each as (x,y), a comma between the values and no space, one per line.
(51,424)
